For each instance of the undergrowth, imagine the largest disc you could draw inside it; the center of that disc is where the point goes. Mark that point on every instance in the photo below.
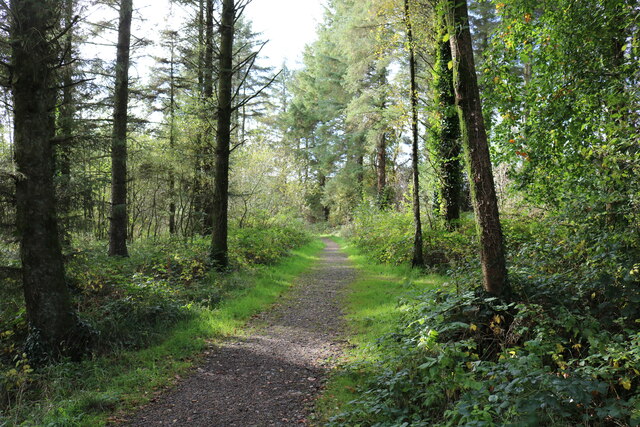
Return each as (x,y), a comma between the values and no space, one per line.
(151,314)
(374,304)
(563,351)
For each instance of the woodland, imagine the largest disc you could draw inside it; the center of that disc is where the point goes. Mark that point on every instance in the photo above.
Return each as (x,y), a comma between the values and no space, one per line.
(479,158)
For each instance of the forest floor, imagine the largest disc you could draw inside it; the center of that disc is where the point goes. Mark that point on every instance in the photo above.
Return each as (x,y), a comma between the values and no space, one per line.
(271,374)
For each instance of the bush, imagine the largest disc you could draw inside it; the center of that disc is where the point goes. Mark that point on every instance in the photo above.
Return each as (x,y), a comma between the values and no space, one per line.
(131,302)
(470,359)
(264,245)
(386,236)
(565,350)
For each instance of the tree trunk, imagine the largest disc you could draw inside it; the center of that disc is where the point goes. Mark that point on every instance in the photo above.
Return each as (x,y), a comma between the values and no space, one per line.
(119,218)
(219,248)
(360,169)
(447,145)
(207,161)
(172,136)
(381,152)
(65,127)
(474,137)
(46,295)
(418,257)
(326,210)
(196,217)
(381,170)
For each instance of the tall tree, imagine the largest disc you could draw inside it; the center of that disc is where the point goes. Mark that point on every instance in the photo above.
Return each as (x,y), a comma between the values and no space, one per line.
(35,56)
(66,122)
(418,257)
(474,137)
(172,130)
(119,217)
(165,89)
(219,244)
(445,146)
(207,94)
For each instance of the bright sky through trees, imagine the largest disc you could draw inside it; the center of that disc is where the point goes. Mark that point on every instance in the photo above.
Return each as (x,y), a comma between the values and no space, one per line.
(287,24)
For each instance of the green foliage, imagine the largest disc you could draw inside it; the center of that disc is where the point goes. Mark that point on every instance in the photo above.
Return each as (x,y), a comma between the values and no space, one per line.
(563,351)
(563,89)
(444,144)
(387,237)
(131,303)
(468,359)
(264,245)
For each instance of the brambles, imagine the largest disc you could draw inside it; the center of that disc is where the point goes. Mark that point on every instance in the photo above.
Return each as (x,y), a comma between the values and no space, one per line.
(565,350)
(130,303)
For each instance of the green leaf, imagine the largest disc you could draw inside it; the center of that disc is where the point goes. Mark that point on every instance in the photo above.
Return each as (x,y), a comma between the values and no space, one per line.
(446,38)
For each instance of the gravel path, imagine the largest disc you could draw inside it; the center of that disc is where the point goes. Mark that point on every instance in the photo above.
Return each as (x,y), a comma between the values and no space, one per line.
(272,376)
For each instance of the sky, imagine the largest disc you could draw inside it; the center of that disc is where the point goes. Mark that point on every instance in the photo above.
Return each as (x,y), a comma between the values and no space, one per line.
(288,24)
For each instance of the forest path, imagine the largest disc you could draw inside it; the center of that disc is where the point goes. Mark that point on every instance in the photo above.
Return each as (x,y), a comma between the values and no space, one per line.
(271,376)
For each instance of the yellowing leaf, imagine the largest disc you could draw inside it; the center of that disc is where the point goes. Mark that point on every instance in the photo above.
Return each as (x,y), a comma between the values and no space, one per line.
(473,327)
(450,65)
(626,383)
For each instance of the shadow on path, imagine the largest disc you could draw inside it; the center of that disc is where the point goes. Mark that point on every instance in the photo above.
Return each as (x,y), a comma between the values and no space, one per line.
(271,377)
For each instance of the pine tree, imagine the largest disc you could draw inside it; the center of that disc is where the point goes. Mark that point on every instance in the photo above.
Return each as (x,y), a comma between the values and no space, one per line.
(34,65)
(119,218)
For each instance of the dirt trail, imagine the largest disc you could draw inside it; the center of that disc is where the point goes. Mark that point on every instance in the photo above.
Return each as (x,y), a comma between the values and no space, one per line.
(272,376)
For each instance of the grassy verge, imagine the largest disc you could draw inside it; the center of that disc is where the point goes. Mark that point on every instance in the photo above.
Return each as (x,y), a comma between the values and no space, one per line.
(373,306)
(89,393)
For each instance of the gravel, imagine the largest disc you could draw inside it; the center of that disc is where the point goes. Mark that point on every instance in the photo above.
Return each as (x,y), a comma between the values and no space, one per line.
(271,376)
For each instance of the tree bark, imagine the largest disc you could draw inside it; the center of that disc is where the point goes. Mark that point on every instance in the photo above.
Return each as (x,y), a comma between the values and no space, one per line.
(196,217)
(119,217)
(381,149)
(47,298)
(207,161)
(381,169)
(360,169)
(219,247)
(66,128)
(474,137)
(172,136)
(418,256)
(447,146)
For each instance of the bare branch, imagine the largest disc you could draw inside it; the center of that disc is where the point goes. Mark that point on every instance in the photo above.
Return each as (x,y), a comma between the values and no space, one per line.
(256,94)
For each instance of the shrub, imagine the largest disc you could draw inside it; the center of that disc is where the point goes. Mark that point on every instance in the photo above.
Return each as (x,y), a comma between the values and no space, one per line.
(386,236)
(131,302)
(565,350)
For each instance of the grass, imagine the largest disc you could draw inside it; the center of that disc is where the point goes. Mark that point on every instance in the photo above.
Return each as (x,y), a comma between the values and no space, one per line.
(373,308)
(97,391)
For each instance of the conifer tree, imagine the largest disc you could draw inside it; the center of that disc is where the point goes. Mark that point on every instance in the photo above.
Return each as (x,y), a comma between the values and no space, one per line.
(119,218)
(35,53)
